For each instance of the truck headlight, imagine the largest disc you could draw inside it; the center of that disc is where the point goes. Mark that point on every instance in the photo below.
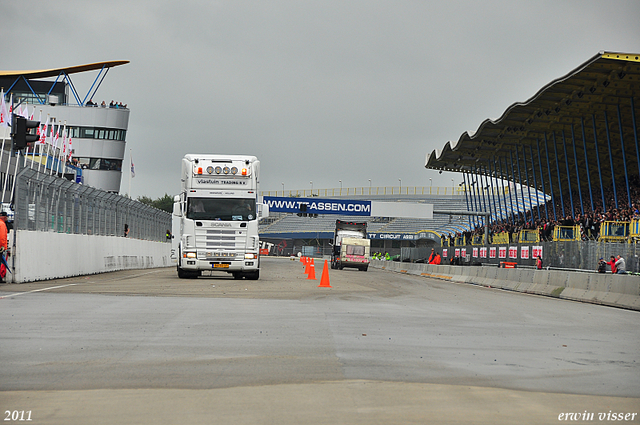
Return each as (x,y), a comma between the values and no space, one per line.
(189,255)
(250,256)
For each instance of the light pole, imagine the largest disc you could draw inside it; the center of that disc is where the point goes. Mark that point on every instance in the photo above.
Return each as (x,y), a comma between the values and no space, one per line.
(430,184)
(340,181)
(282,188)
(311,183)
(369,186)
(452,186)
(400,180)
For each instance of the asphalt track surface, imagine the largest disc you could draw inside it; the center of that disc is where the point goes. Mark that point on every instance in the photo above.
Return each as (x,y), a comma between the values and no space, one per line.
(144,347)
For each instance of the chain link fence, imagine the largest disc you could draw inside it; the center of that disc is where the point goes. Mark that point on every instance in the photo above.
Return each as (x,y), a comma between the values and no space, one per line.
(52,204)
(571,255)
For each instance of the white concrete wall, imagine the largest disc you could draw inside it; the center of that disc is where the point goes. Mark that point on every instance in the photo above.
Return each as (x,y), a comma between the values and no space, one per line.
(607,289)
(48,255)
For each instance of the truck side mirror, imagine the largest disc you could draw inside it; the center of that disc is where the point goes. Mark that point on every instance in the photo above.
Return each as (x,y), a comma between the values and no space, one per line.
(177,211)
(263,210)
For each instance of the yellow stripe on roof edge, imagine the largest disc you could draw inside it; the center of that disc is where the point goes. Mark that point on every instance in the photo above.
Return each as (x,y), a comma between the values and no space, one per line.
(622,56)
(46,73)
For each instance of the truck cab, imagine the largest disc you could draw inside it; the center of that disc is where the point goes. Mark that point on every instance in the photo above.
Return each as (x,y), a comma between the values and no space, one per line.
(215,217)
(351,248)
(354,253)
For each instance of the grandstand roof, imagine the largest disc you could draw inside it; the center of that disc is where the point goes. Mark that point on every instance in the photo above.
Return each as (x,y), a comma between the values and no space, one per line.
(54,72)
(594,100)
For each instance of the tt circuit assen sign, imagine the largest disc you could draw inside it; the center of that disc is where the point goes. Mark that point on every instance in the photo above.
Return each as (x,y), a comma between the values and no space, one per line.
(349,207)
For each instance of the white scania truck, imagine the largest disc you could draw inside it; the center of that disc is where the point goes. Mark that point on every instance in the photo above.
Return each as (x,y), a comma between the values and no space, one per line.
(215,216)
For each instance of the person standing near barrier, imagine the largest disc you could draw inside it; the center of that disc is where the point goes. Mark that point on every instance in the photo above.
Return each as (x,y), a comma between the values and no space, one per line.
(621,267)
(126,230)
(432,257)
(3,244)
(602,266)
(539,263)
(612,263)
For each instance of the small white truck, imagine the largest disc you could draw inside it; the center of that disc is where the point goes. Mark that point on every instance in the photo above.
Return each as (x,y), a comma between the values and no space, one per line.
(351,248)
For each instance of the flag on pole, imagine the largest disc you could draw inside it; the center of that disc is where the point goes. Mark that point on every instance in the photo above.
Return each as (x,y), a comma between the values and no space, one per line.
(5,119)
(43,133)
(133,170)
(65,135)
(70,150)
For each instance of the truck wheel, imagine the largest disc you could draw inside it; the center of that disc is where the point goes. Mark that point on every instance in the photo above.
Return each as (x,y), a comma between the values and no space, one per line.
(237,276)
(182,274)
(364,269)
(253,275)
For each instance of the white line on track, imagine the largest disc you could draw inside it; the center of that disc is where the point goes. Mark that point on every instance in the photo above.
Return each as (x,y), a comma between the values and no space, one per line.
(37,290)
(72,284)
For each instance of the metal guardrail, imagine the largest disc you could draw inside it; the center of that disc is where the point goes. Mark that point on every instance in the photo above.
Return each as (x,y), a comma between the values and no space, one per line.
(614,231)
(52,204)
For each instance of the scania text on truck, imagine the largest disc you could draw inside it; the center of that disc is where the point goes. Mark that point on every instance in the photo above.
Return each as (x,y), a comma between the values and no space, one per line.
(351,248)
(215,216)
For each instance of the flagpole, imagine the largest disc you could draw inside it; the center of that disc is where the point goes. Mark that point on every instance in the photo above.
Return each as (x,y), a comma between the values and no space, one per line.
(6,175)
(44,139)
(54,155)
(130,172)
(61,161)
(15,174)
(36,145)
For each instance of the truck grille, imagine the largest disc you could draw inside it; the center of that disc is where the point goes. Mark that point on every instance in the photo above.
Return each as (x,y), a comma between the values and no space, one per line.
(220,244)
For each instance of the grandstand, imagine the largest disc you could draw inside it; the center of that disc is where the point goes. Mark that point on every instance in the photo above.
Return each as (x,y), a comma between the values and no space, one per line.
(559,175)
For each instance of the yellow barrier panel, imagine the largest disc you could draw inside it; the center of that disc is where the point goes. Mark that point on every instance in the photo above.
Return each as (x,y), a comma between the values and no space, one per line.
(529,235)
(634,232)
(477,240)
(566,233)
(614,231)
(501,238)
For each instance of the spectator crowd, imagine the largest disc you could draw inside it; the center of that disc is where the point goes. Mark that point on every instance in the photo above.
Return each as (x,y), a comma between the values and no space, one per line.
(543,219)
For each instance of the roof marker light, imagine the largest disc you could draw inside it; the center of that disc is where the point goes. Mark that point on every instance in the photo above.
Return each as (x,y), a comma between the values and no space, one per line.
(244,171)
(199,170)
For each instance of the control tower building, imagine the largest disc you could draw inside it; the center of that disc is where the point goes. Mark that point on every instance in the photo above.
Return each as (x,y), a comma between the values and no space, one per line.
(98,130)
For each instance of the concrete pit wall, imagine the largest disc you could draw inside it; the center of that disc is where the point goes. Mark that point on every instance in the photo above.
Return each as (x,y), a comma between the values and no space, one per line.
(606,289)
(49,255)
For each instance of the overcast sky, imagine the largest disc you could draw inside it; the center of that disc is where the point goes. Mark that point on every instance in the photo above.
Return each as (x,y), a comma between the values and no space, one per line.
(319,91)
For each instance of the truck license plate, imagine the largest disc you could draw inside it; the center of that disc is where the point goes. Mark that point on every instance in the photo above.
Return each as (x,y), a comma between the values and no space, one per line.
(220,266)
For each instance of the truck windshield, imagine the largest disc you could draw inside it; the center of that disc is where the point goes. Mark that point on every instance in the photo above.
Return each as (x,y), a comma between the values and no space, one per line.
(355,250)
(222,209)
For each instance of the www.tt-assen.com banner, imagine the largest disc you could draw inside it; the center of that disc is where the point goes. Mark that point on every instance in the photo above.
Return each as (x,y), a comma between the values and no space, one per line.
(318,206)
(349,207)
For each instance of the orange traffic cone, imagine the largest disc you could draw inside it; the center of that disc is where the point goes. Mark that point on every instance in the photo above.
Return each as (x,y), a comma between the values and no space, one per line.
(307,263)
(324,280)
(312,271)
